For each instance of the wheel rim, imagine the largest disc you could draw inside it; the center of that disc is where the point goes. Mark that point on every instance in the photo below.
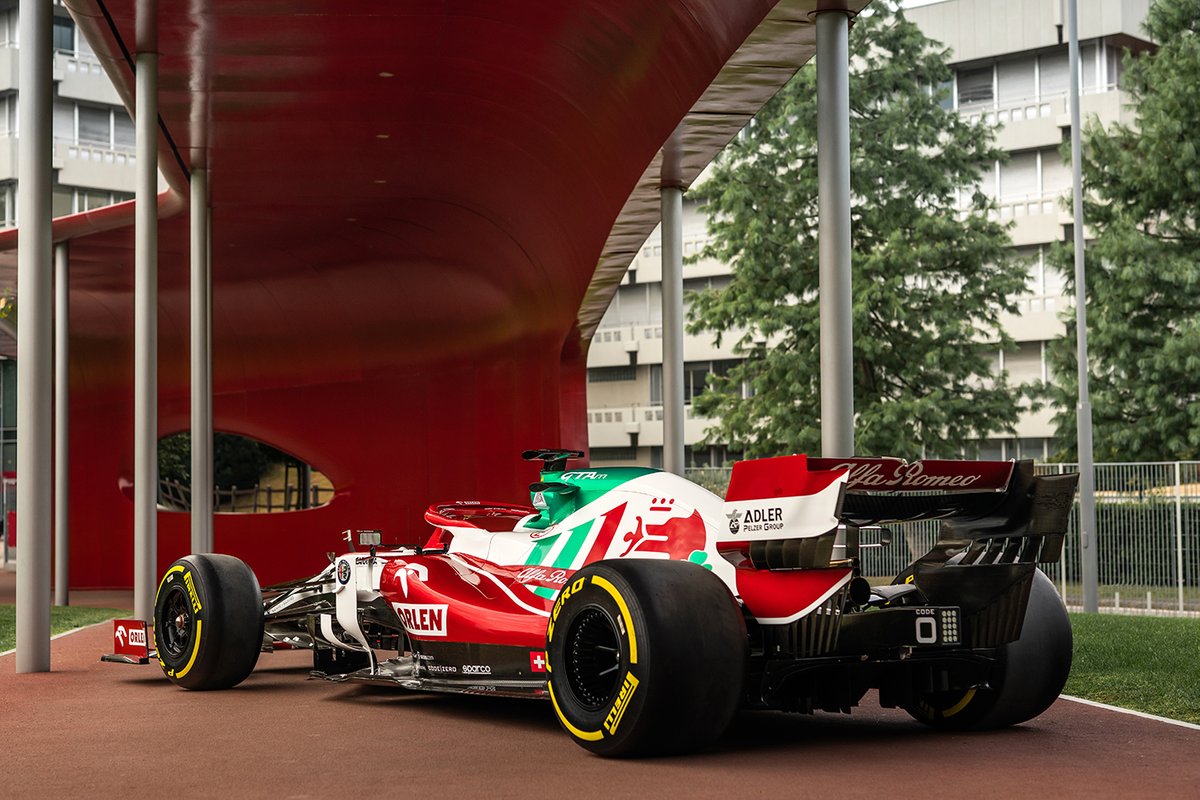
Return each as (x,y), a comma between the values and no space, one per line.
(593,658)
(176,623)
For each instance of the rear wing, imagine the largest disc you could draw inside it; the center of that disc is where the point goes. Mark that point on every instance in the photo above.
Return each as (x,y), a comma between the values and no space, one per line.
(797,498)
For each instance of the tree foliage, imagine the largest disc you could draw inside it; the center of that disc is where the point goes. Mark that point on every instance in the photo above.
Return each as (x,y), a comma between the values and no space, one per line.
(237,460)
(929,283)
(1142,207)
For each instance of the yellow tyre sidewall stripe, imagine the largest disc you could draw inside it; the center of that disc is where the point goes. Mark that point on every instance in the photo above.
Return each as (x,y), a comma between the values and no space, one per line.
(195,650)
(176,568)
(960,705)
(631,637)
(587,736)
(199,624)
(620,601)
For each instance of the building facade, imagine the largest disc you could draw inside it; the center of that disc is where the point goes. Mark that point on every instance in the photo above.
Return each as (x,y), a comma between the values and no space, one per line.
(1010,69)
(93,157)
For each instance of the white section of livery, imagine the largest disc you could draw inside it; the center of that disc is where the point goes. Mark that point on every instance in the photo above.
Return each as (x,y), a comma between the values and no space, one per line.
(363,587)
(638,494)
(794,517)
(809,608)
(326,622)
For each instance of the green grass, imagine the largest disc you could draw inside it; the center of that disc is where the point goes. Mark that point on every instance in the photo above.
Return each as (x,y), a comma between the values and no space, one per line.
(62,618)
(1149,664)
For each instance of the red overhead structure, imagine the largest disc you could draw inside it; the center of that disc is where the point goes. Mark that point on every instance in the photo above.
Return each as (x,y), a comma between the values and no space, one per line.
(420,213)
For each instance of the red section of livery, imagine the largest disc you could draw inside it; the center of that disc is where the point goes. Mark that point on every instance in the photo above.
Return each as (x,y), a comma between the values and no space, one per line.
(129,638)
(785,476)
(898,475)
(676,538)
(484,603)
(785,596)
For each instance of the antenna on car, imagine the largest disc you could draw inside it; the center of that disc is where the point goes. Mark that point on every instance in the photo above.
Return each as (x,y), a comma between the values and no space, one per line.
(555,460)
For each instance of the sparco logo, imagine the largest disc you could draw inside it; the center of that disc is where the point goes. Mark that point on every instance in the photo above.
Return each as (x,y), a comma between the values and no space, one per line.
(476,669)
(735,521)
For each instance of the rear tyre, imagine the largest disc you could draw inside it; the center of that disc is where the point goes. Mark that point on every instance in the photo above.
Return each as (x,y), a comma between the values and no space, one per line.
(1029,677)
(646,657)
(208,622)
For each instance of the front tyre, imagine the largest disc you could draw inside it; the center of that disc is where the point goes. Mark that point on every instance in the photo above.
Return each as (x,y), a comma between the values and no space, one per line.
(1029,677)
(646,657)
(208,622)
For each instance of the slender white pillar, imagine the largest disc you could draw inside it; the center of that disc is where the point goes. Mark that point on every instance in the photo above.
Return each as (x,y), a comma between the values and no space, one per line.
(672,322)
(201,364)
(833,245)
(1089,562)
(145,337)
(62,423)
(35,351)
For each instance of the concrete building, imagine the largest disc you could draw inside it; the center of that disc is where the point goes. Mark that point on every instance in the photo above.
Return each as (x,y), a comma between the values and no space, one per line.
(1010,69)
(94,162)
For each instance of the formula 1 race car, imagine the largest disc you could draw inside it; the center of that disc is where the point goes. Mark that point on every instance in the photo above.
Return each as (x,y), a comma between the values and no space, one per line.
(648,610)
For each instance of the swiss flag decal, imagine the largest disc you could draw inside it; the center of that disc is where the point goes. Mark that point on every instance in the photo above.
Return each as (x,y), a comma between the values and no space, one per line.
(537,661)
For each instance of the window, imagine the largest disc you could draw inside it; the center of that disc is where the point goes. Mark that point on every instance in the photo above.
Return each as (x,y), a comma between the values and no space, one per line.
(123,133)
(1014,80)
(975,87)
(95,126)
(62,201)
(1056,174)
(1115,66)
(695,378)
(944,93)
(1052,73)
(605,455)
(90,200)
(64,121)
(609,374)
(1024,364)
(1019,177)
(656,387)
(1088,61)
(64,35)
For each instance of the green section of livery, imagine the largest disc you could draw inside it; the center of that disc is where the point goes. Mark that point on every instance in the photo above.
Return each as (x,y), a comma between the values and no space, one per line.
(557,496)
(563,493)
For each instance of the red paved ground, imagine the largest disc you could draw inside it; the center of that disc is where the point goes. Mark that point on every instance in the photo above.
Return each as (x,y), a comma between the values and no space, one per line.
(93,729)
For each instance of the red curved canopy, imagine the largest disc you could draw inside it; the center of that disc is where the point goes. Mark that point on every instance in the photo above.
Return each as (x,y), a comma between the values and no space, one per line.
(420,213)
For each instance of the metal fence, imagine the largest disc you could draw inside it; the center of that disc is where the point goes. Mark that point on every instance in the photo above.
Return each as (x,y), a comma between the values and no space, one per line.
(177,496)
(1147,530)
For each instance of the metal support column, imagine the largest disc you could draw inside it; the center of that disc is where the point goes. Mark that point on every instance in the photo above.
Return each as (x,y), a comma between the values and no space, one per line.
(833,189)
(201,362)
(35,352)
(62,423)
(145,322)
(672,322)
(1089,564)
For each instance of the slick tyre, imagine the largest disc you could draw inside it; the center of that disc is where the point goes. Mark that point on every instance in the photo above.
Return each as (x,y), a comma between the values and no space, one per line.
(646,657)
(1029,677)
(208,622)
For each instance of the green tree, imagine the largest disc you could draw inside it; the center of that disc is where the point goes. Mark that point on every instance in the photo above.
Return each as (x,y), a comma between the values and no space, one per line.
(237,460)
(1142,205)
(929,283)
